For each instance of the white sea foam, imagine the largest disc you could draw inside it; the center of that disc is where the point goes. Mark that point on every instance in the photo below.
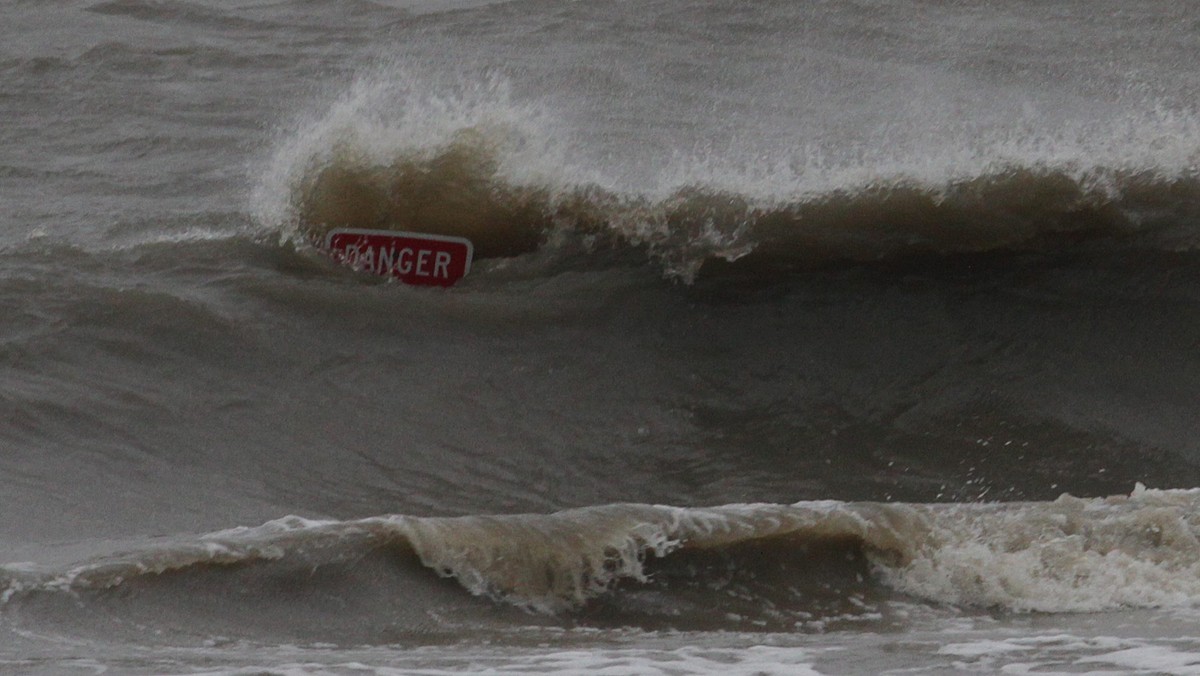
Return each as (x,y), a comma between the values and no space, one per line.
(1067,556)
(1069,654)
(751,661)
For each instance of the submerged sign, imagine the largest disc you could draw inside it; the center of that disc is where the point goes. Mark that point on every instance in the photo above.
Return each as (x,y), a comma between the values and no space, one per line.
(413,258)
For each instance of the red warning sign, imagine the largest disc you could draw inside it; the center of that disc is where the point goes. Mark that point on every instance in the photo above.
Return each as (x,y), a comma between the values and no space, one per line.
(413,258)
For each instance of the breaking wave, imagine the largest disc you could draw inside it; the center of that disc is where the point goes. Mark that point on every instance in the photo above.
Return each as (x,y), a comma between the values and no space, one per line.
(762,563)
(475,163)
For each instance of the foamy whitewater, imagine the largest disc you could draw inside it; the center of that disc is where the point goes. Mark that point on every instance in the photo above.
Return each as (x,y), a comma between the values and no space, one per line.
(801,338)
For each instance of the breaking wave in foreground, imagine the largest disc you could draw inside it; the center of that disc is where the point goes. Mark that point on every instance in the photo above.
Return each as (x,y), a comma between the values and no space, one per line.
(769,565)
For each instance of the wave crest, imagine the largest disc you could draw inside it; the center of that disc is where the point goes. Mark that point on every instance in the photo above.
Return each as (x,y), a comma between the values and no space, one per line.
(458,189)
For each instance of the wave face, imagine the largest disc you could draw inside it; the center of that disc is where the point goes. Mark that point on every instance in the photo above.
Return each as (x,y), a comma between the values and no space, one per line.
(801,337)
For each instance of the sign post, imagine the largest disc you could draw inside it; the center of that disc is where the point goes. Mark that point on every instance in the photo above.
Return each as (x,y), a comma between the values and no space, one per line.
(413,258)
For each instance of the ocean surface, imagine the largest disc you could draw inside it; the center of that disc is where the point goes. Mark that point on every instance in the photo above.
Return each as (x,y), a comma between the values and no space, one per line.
(853,337)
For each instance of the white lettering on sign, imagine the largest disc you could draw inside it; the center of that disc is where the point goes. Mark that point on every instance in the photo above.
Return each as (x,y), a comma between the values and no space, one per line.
(414,258)
(386,261)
